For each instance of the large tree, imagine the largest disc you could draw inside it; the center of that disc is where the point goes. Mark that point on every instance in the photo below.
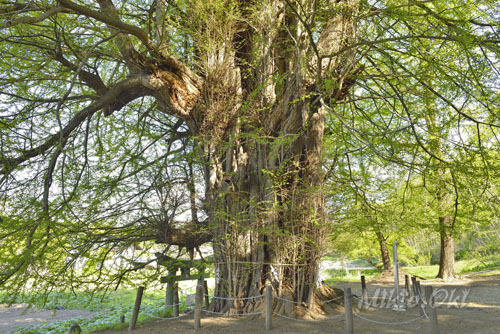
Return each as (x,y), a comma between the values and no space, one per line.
(99,98)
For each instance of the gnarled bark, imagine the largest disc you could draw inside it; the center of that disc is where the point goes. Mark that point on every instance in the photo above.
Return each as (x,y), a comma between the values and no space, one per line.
(264,197)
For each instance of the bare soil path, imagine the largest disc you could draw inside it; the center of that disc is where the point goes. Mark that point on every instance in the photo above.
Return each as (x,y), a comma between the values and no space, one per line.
(478,314)
(17,316)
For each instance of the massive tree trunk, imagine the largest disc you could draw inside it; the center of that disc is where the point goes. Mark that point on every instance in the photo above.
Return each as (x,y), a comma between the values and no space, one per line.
(266,207)
(446,227)
(260,126)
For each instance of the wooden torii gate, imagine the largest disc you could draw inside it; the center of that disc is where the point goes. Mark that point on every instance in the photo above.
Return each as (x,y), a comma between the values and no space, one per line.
(186,268)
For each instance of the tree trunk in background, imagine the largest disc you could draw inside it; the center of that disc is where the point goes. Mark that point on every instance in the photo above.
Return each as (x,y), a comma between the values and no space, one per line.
(440,181)
(386,259)
(447,258)
(446,226)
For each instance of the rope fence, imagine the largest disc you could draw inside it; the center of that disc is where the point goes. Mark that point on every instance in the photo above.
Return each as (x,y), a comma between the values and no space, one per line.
(308,320)
(232,314)
(235,298)
(390,323)
(365,302)
(426,306)
(309,303)
(169,318)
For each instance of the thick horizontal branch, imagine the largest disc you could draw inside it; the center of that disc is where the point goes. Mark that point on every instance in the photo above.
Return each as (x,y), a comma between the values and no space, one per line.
(91,79)
(8,7)
(35,19)
(191,236)
(47,100)
(114,99)
(111,21)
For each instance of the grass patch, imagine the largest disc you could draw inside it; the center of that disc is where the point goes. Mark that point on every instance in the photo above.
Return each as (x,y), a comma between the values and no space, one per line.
(108,309)
(478,264)
(494,272)
(340,275)
(461,267)
(422,271)
(428,272)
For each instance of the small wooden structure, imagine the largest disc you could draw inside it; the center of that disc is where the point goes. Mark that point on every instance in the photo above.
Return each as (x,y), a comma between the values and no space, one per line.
(189,270)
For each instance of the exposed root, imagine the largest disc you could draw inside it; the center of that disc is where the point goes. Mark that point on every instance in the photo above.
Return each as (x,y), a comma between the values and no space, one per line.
(320,306)
(327,301)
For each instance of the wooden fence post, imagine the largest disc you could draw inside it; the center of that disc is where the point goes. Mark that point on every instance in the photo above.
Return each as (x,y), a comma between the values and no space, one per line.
(176,300)
(269,307)
(349,326)
(408,290)
(364,293)
(197,306)
(420,301)
(169,296)
(414,292)
(431,308)
(137,306)
(419,290)
(205,287)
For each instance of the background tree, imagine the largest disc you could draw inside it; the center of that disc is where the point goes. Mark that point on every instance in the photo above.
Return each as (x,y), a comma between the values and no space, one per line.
(419,116)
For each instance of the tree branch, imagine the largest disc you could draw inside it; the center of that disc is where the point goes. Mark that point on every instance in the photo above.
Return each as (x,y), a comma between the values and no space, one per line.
(109,20)
(115,98)
(35,19)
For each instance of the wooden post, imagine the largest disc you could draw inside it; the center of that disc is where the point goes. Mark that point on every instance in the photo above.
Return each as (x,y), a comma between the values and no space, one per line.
(269,307)
(349,326)
(420,301)
(137,306)
(397,306)
(197,306)
(414,283)
(363,283)
(176,300)
(419,291)
(205,287)
(414,289)
(431,309)
(407,288)
(364,293)
(169,297)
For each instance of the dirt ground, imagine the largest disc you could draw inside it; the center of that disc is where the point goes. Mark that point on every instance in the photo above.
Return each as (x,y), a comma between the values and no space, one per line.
(479,314)
(472,306)
(17,316)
